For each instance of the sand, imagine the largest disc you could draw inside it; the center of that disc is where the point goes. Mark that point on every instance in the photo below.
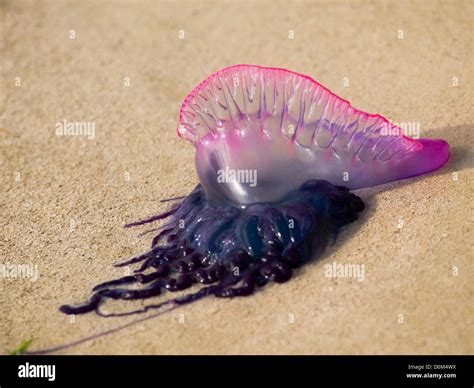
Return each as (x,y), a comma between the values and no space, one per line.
(65,198)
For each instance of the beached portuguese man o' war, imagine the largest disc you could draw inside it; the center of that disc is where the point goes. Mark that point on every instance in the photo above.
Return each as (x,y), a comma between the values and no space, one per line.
(276,155)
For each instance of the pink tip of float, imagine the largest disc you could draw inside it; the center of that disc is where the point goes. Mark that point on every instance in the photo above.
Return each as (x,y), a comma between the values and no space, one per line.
(434,155)
(304,131)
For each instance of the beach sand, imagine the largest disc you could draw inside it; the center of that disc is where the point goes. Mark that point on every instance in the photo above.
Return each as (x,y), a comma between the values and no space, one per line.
(66,198)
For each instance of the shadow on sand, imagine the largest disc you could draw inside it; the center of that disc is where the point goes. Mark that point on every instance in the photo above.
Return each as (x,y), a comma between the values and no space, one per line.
(460,139)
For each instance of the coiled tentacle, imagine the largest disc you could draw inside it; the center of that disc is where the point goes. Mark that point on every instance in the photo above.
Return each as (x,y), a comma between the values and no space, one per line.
(230,250)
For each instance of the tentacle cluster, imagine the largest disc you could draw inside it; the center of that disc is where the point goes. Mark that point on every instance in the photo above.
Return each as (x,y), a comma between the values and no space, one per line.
(230,249)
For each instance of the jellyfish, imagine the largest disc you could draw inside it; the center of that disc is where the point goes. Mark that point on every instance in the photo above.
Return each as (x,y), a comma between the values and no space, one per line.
(277,155)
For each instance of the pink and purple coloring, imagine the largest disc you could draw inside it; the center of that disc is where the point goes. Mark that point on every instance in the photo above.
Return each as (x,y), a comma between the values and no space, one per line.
(276,155)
